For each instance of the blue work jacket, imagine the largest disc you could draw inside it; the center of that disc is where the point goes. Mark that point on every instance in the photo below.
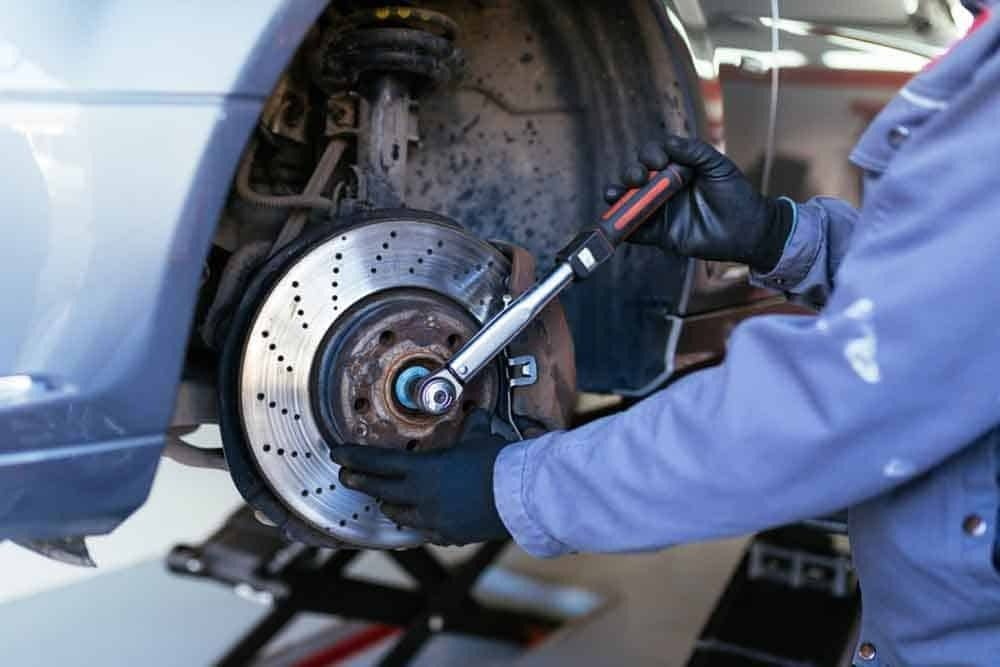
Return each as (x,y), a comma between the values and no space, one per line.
(886,402)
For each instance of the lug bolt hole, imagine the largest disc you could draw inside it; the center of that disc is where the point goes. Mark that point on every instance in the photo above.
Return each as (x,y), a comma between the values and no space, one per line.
(454,340)
(386,338)
(361,405)
(468,407)
(411,445)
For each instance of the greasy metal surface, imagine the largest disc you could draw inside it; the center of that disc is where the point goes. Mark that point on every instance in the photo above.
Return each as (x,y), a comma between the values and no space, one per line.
(550,400)
(556,97)
(384,336)
(282,433)
(384,140)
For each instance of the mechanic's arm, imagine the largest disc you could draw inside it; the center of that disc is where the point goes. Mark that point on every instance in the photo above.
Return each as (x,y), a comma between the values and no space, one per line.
(791,247)
(808,414)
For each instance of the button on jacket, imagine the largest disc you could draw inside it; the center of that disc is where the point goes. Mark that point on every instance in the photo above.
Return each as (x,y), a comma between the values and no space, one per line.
(887,401)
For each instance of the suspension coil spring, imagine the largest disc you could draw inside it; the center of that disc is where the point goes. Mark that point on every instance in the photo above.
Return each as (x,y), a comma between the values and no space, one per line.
(395,39)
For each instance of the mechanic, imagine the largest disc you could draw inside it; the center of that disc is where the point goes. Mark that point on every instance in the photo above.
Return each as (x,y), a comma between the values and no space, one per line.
(886,402)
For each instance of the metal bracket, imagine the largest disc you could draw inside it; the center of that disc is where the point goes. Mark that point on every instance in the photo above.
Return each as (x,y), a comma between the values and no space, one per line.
(523,371)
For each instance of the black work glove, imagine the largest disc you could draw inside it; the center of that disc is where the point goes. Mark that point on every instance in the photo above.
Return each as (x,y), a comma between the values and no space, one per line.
(447,494)
(720,217)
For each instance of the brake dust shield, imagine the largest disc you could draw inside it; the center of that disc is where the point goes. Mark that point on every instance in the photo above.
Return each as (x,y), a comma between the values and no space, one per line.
(325,338)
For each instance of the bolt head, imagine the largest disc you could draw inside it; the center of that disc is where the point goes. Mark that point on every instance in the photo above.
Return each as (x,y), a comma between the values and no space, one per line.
(437,396)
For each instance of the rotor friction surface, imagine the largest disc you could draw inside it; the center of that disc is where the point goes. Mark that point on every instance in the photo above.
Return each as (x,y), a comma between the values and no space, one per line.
(315,294)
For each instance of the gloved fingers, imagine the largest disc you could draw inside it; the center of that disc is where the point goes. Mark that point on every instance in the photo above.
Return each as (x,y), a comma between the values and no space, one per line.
(653,156)
(373,460)
(613,192)
(409,516)
(688,152)
(389,490)
(635,175)
(477,425)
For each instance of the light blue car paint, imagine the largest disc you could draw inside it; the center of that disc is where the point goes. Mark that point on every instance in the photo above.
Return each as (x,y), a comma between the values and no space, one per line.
(120,127)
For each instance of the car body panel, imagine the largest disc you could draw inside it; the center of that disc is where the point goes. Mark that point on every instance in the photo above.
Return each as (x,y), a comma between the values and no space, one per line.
(119,151)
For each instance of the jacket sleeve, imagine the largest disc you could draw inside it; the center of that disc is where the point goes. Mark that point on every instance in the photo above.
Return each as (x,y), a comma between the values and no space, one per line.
(821,234)
(808,414)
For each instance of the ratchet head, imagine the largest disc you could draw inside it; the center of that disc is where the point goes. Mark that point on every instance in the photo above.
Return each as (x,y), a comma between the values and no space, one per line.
(437,393)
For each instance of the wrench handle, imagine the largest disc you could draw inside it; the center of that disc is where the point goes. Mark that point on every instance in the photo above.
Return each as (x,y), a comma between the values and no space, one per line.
(637,205)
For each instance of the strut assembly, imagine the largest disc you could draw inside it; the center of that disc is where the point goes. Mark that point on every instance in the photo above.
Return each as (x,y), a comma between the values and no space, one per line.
(389,56)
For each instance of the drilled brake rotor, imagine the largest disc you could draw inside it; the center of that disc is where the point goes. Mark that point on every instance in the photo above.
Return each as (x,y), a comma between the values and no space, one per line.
(334,340)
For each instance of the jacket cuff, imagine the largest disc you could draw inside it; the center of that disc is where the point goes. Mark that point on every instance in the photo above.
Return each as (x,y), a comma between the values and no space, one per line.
(512,475)
(799,255)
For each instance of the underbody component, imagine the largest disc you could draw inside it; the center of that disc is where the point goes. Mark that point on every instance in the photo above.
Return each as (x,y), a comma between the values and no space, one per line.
(327,336)
(346,317)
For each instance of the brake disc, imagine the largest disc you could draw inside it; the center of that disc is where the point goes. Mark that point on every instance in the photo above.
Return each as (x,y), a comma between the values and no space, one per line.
(327,336)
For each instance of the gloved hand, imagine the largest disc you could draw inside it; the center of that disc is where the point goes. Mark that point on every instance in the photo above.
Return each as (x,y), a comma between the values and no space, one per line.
(447,493)
(720,217)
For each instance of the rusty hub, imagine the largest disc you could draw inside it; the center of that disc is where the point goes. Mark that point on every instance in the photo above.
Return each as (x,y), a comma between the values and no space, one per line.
(388,338)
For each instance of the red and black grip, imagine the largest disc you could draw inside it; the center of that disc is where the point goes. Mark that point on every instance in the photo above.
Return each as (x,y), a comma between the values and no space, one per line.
(637,205)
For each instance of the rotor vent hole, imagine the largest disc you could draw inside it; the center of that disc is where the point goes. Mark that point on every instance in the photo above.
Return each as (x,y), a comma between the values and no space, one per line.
(264,334)
(392,235)
(266,448)
(295,283)
(385,246)
(387,338)
(281,452)
(260,397)
(305,492)
(361,405)
(272,347)
(281,357)
(295,455)
(297,298)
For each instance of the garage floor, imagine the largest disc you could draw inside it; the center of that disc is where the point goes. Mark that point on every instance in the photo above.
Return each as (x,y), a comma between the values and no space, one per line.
(134,612)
